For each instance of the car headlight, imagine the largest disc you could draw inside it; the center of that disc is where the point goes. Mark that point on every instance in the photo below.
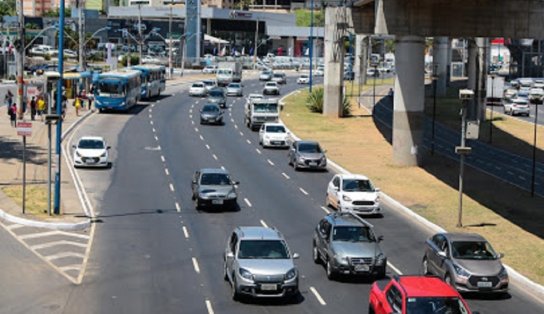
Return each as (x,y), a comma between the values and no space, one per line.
(346,198)
(122,104)
(291,274)
(266,137)
(78,154)
(300,158)
(203,196)
(380,259)
(377,200)
(231,195)
(245,274)
(341,259)
(104,154)
(503,274)
(461,271)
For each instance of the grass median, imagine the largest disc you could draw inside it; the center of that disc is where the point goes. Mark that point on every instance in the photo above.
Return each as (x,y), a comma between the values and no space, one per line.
(36,198)
(490,206)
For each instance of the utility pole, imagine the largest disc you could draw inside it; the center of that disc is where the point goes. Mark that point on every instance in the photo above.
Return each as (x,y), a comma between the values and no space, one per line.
(20,58)
(256,45)
(466,95)
(56,207)
(311,52)
(170,66)
(81,37)
(140,38)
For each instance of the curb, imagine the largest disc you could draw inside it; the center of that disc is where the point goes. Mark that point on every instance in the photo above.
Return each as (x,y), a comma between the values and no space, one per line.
(397,206)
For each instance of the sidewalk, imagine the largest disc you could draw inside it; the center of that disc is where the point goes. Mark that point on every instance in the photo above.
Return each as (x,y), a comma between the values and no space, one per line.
(11,169)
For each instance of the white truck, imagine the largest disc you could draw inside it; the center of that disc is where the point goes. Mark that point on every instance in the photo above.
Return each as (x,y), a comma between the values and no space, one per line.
(228,72)
(260,111)
(494,90)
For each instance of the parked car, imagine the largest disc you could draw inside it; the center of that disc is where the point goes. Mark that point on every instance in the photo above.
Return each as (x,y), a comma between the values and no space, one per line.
(43,50)
(235,89)
(466,261)
(265,75)
(198,89)
(271,88)
(150,59)
(307,155)
(211,114)
(303,79)
(349,75)
(280,78)
(415,295)
(214,188)
(353,192)
(209,84)
(258,263)
(319,72)
(70,53)
(91,151)
(274,135)
(209,69)
(347,245)
(217,95)
(517,106)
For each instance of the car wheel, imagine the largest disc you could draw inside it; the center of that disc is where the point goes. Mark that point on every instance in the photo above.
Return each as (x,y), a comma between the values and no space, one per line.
(370,309)
(295,166)
(425,266)
(330,271)
(315,255)
(234,290)
(198,206)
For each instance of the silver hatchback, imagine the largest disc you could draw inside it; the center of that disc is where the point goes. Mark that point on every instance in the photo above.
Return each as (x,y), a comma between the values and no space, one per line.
(258,263)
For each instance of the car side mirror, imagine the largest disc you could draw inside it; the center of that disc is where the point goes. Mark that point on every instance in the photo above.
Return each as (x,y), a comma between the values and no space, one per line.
(500,255)
(296,256)
(442,254)
(236,182)
(380,238)
(73,146)
(336,188)
(109,147)
(230,255)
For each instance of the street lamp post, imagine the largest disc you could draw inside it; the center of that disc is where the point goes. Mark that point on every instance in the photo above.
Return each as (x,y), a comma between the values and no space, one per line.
(435,79)
(256,44)
(537,100)
(311,52)
(170,53)
(492,108)
(465,95)
(81,37)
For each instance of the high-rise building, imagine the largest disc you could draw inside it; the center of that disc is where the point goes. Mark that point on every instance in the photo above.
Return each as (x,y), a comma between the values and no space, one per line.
(38,7)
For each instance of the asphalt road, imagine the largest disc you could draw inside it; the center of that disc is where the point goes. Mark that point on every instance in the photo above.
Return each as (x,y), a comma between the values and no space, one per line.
(153,252)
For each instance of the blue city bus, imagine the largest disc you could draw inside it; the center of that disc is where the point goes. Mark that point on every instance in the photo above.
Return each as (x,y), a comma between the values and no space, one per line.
(152,79)
(117,90)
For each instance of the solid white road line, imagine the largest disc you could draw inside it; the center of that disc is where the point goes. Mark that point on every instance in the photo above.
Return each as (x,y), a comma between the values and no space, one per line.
(214,157)
(395,269)
(209,307)
(325,209)
(270,162)
(207,146)
(248,141)
(195,265)
(178,208)
(166,171)
(171,187)
(185,232)
(264,224)
(318,296)
(162,158)
(285,175)
(190,116)
(247,202)
(303,191)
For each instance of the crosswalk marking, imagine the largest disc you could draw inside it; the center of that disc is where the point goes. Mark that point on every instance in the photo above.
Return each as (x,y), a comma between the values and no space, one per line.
(55,243)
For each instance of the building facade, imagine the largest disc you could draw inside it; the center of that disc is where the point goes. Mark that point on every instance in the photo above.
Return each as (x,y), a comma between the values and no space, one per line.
(36,8)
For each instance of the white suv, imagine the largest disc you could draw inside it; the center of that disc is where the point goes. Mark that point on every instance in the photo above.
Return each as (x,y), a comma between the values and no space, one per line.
(353,192)
(274,135)
(271,88)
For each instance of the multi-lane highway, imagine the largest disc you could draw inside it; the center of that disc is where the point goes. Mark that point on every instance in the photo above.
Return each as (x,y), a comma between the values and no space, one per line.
(153,252)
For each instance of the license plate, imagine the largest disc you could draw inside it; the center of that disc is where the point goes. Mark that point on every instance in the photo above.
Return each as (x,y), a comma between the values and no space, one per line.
(484,284)
(313,164)
(217,202)
(276,142)
(362,268)
(269,287)
(211,120)
(89,161)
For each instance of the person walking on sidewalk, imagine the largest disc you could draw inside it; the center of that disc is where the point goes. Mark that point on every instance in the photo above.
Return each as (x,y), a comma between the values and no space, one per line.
(32,108)
(77,105)
(41,106)
(13,114)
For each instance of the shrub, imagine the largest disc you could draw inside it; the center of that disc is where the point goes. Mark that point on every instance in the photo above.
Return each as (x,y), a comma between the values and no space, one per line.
(346,107)
(314,102)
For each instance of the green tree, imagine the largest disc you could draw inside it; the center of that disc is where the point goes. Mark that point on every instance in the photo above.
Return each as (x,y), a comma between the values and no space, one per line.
(243,4)
(56,13)
(303,18)
(7,7)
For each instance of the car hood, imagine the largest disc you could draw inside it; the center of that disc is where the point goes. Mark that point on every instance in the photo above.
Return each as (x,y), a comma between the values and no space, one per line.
(267,266)
(216,189)
(355,249)
(91,152)
(480,267)
(210,114)
(311,155)
(361,196)
(216,99)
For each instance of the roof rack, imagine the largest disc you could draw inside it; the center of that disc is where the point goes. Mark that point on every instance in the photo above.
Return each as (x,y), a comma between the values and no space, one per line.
(351,213)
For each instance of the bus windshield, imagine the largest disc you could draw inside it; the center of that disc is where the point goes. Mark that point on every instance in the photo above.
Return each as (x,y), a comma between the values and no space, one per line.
(111,88)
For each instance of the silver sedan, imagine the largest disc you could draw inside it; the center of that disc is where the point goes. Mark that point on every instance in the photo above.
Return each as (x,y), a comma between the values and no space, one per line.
(235,89)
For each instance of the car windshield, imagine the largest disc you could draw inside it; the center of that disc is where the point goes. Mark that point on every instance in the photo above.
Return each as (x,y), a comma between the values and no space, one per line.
(357,185)
(435,306)
(234,85)
(265,108)
(210,108)
(198,85)
(473,250)
(111,88)
(224,72)
(215,179)
(216,93)
(271,84)
(275,129)
(352,234)
(278,75)
(263,249)
(91,144)
(309,148)
(209,83)
(304,76)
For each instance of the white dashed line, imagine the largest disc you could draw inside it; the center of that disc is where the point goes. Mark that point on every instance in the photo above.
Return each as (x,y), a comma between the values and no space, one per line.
(156,138)
(150,116)
(191,110)
(235,126)
(247,202)
(498,168)
(192,122)
(395,269)
(154,130)
(171,187)
(209,307)
(270,162)
(232,120)
(201,137)
(195,265)
(162,158)
(510,173)
(207,146)
(196,129)
(151,122)
(190,116)
(325,209)
(178,208)
(264,224)
(223,167)
(258,151)
(248,141)
(214,157)
(241,134)
(318,296)
(303,191)
(185,232)
(285,175)
(522,178)
(166,171)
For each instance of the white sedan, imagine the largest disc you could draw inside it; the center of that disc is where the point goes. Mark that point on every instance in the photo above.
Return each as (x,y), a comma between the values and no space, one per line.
(198,89)
(91,151)
(518,106)
(274,135)
(353,192)
(303,79)
(271,88)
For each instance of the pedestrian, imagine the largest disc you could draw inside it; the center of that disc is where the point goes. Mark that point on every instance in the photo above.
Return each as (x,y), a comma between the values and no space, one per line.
(90,97)
(13,114)
(64,101)
(77,105)
(32,108)
(41,106)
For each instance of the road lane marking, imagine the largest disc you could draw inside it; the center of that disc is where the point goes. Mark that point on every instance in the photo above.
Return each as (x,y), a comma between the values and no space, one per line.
(192,122)
(191,110)
(285,175)
(150,116)
(232,120)
(162,158)
(510,173)
(395,269)
(64,255)
(207,146)
(201,137)
(521,177)
(55,243)
(247,202)
(171,187)
(303,191)
(236,126)
(241,133)
(196,130)
(318,296)
(190,116)
(166,171)
(156,138)
(264,224)
(270,162)
(325,209)
(51,233)
(195,265)
(258,151)
(223,167)
(154,130)
(209,307)
(178,208)
(248,141)
(185,232)
(14,226)
(214,157)
(151,122)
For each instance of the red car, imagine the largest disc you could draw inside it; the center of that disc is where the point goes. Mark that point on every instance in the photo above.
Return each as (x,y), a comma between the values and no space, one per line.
(415,295)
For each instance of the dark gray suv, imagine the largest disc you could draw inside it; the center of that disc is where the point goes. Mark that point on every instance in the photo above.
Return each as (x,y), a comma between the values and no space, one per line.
(346,244)
(213,188)
(217,95)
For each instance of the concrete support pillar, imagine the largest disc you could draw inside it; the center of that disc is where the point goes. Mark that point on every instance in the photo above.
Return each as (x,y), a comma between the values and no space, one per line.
(440,60)
(334,63)
(409,101)
(472,73)
(209,26)
(291,46)
(361,56)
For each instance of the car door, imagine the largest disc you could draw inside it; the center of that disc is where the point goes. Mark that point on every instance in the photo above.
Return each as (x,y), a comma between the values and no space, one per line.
(230,254)
(434,260)
(332,191)
(326,239)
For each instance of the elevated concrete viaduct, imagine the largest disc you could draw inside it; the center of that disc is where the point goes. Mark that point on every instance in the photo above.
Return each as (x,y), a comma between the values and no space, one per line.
(410,21)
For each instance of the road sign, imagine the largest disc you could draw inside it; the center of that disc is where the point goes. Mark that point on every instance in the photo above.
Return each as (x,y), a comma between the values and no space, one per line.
(24,128)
